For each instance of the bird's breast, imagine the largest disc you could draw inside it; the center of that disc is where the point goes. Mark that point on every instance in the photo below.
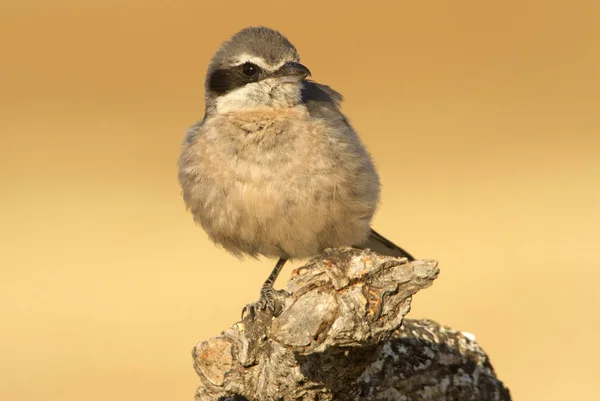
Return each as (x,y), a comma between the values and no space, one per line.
(279,183)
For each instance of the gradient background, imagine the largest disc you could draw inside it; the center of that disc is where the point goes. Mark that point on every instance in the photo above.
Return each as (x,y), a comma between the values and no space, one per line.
(484,121)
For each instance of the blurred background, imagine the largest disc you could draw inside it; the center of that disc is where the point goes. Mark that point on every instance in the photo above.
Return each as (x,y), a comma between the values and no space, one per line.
(483,119)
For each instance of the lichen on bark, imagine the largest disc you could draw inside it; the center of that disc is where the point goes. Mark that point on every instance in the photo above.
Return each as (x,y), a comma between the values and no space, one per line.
(342,336)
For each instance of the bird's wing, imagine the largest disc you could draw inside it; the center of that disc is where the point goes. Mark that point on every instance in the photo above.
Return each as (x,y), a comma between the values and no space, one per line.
(322,101)
(193,131)
(378,243)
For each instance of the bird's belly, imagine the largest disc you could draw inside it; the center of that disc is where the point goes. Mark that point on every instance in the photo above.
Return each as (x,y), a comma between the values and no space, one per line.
(288,190)
(286,216)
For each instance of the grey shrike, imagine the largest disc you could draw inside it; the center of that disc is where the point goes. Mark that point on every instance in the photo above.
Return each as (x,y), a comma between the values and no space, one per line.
(275,168)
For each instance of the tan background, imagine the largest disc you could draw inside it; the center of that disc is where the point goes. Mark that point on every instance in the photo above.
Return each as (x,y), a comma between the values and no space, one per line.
(484,120)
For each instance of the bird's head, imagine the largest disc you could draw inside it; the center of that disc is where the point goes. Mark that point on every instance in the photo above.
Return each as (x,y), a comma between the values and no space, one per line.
(257,68)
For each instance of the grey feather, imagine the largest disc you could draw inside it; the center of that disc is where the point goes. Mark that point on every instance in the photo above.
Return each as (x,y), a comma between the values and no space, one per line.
(322,101)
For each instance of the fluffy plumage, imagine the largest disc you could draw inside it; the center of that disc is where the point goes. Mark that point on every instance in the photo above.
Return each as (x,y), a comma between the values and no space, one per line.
(275,168)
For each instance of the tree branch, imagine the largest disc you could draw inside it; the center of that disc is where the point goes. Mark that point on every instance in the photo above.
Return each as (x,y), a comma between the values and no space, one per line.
(341,336)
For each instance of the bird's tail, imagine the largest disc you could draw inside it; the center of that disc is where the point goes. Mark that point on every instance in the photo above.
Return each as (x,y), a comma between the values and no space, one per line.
(379,244)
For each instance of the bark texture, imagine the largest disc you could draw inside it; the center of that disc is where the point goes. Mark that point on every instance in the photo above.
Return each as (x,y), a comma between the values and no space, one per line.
(341,336)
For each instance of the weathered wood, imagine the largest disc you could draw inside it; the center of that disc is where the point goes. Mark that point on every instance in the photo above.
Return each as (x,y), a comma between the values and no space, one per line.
(341,336)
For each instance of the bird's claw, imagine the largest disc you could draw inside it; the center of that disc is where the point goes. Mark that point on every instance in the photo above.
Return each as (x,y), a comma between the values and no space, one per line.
(270,301)
(250,310)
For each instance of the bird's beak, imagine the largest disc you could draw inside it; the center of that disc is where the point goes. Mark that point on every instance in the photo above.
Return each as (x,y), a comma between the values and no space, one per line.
(292,72)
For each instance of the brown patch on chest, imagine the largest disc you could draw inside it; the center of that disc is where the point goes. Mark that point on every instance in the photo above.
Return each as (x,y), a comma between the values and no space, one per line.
(267,121)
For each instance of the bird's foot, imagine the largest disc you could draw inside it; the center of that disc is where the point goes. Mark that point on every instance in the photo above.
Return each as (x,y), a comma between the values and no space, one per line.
(271,301)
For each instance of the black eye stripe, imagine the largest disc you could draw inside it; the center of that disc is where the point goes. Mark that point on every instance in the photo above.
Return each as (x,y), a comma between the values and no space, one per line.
(225,80)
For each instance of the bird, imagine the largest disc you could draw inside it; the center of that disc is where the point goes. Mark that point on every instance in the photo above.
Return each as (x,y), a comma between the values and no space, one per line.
(274,168)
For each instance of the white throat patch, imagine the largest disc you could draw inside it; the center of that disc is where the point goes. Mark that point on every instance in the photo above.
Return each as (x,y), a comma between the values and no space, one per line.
(272,93)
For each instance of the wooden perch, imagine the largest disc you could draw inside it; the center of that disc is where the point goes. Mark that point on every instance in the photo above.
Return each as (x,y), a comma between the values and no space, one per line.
(341,336)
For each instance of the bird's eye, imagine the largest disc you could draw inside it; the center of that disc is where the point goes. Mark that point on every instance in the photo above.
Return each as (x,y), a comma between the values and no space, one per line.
(249,69)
